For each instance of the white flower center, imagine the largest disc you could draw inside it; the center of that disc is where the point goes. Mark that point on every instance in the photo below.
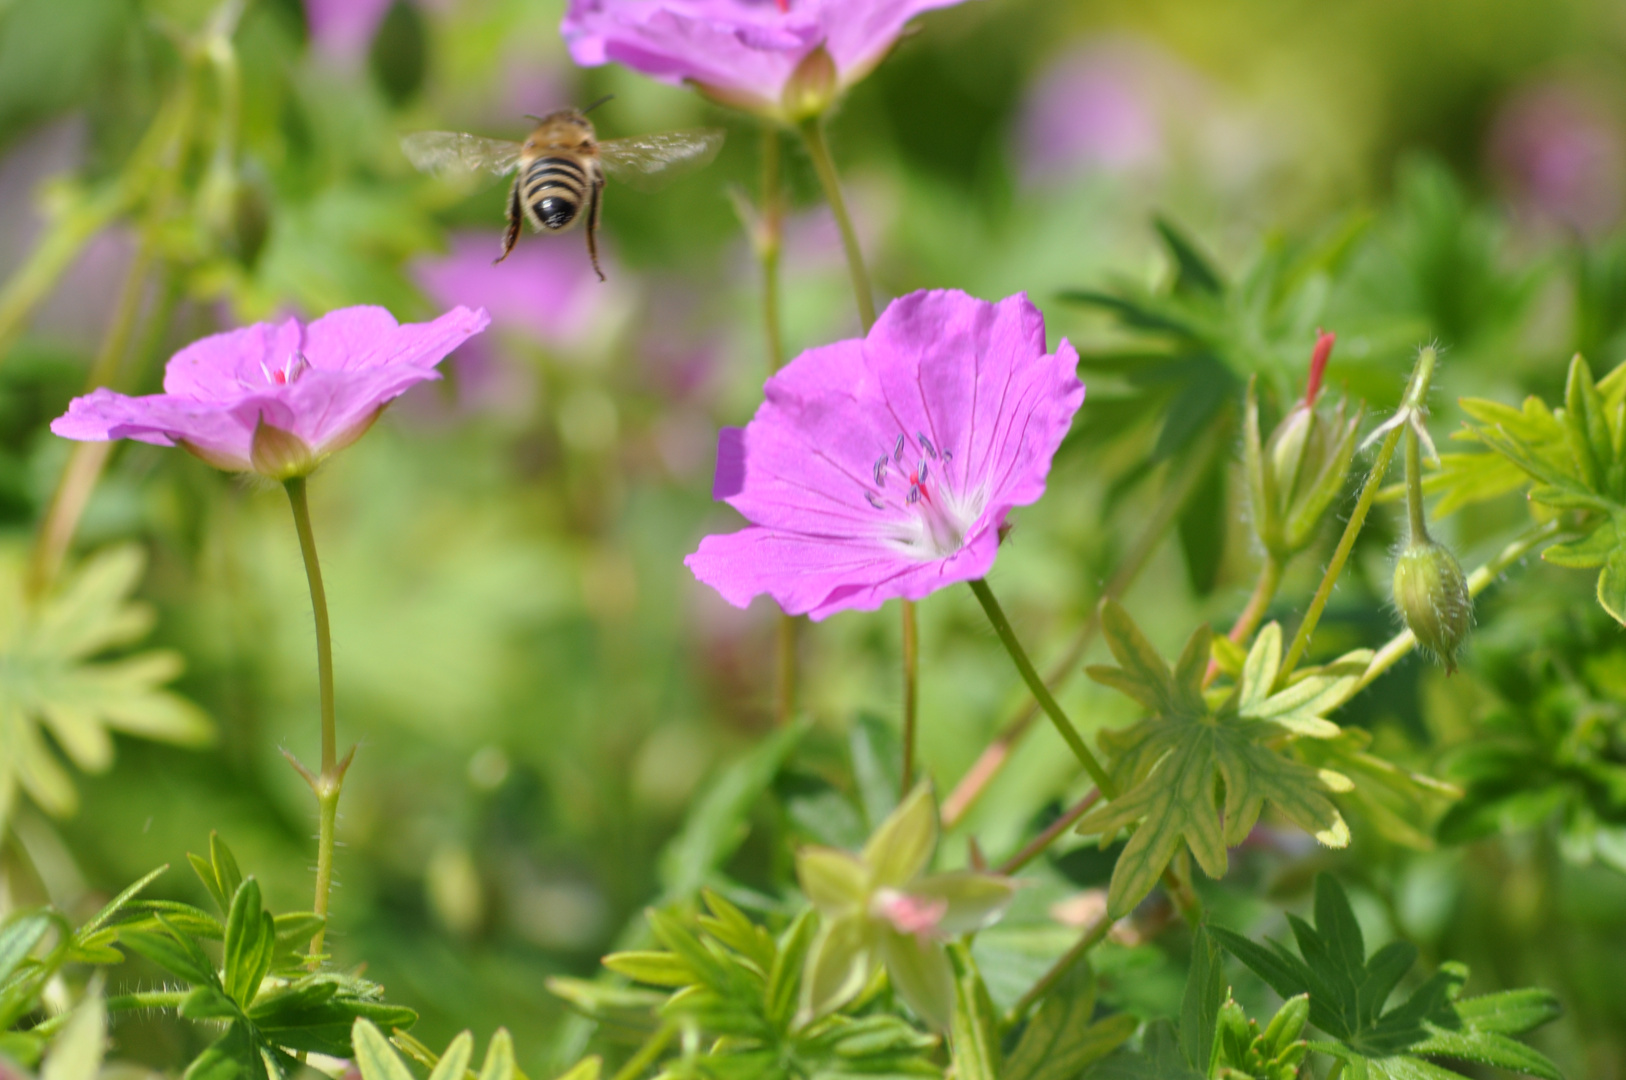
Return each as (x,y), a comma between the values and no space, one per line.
(926,517)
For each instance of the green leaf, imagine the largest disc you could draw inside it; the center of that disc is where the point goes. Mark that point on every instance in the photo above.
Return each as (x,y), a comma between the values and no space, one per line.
(224,864)
(1612,585)
(785,975)
(1060,1041)
(974,1027)
(1199,1009)
(653,968)
(375,1057)
(174,952)
(236,1055)
(1195,271)
(499,1062)
(1348,991)
(109,911)
(251,939)
(873,745)
(585,1069)
(455,1060)
(1168,763)
(18,938)
(76,1053)
(50,681)
(900,850)
(719,820)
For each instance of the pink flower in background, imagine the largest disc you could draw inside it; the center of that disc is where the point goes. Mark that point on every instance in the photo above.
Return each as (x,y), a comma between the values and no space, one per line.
(744,52)
(277,398)
(344,29)
(545,290)
(1561,156)
(885,466)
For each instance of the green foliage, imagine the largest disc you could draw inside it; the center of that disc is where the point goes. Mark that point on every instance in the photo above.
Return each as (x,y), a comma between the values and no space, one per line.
(1167,765)
(1574,460)
(54,677)
(1348,992)
(974,1032)
(1246,1052)
(1061,1040)
(273,1001)
(735,984)
(378,1060)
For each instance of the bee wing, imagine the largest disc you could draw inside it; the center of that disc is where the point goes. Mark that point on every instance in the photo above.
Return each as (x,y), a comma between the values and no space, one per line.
(646,162)
(457,155)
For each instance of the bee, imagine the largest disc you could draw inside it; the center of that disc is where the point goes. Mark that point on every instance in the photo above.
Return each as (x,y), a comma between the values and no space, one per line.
(561,168)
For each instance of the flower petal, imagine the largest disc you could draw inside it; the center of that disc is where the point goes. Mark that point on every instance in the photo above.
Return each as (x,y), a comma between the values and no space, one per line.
(975,901)
(922,976)
(833,880)
(838,965)
(902,847)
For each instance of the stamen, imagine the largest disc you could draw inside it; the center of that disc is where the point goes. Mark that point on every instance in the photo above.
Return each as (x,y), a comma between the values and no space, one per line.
(914,494)
(897,451)
(948,455)
(880,471)
(925,470)
(926,445)
(874,500)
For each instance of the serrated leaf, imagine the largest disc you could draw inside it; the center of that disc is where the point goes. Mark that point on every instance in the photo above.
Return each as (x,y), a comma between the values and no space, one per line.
(1168,764)
(1588,553)
(49,679)
(1060,1041)
(1347,993)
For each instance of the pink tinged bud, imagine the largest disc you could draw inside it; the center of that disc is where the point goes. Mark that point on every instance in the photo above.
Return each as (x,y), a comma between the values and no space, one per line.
(914,915)
(811,88)
(1318,364)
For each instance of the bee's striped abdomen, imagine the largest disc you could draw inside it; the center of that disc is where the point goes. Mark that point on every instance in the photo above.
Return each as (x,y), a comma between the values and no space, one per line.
(553,190)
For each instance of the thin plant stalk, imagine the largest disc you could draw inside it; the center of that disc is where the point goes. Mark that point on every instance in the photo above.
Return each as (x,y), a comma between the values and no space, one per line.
(992,760)
(1047,702)
(647,1054)
(1253,613)
(1092,937)
(812,131)
(326,784)
(1409,414)
(1033,848)
(911,695)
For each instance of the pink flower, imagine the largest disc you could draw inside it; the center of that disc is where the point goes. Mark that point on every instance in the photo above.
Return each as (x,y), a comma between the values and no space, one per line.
(786,58)
(885,467)
(1561,158)
(344,29)
(277,398)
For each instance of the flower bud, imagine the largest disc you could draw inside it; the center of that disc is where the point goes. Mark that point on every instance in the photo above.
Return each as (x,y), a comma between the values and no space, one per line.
(1432,597)
(811,88)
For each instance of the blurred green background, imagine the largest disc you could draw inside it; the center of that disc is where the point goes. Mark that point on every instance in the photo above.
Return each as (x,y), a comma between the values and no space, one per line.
(540,689)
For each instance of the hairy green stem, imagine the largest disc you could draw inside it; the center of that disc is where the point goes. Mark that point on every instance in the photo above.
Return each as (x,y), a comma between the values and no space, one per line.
(326,784)
(992,760)
(1414,488)
(812,131)
(1064,726)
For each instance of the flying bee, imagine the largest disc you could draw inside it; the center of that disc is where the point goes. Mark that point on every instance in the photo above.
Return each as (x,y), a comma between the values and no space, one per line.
(561,167)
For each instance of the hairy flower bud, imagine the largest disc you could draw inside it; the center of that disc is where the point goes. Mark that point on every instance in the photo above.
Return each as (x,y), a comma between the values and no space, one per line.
(1432,597)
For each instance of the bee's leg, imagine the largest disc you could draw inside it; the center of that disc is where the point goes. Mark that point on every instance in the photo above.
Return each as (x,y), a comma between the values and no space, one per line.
(597,199)
(516,217)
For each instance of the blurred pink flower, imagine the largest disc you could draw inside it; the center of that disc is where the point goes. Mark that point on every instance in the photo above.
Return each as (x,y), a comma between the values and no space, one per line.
(780,57)
(1560,155)
(885,466)
(277,398)
(344,29)
(547,291)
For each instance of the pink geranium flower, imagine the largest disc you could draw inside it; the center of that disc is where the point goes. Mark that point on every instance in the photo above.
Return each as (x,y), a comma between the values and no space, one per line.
(277,398)
(785,58)
(885,467)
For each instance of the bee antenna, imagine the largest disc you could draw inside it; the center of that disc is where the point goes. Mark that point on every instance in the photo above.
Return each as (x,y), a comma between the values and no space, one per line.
(596,104)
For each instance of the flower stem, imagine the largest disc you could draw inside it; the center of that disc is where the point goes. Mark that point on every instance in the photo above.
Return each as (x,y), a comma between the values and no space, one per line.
(1092,937)
(784,683)
(1064,726)
(1035,846)
(812,131)
(1478,581)
(1414,488)
(993,759)
(646,1055)
(325,785)
(911,694)
(1264,591)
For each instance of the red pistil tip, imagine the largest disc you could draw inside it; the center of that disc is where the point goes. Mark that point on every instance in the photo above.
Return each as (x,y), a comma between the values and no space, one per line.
(1318,364)
(783,6)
